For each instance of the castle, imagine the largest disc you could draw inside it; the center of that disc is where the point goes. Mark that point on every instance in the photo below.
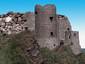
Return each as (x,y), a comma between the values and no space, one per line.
(51,29)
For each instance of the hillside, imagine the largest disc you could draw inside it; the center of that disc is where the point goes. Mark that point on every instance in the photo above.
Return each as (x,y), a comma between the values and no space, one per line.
(22,48)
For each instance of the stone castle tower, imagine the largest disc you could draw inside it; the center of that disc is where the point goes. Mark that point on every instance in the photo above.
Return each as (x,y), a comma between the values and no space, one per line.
(46,26)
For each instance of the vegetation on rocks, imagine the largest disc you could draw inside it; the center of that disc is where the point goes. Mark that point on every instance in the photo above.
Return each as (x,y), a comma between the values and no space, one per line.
(23,49)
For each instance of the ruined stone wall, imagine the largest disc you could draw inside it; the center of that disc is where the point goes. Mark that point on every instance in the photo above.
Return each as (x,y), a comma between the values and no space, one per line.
(75,46)
(68,37)
(64,27)
(12,23)
(45,26)
(30,17)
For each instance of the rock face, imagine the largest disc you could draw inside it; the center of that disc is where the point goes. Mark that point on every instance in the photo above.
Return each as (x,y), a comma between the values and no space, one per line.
(51,29)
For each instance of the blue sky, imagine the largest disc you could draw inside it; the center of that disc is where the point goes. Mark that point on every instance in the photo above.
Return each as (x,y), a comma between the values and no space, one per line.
(73,9)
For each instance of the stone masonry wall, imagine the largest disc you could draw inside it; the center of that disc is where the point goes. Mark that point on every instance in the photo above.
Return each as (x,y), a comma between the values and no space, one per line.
(45,26)
(76,49)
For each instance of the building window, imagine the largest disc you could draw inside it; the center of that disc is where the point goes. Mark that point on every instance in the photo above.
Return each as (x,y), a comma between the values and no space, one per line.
(71,43)
(68,29)
(51,33)
(61,43)
(69,37)
(74,34)
(54,45)
(51,19)
(26,28)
